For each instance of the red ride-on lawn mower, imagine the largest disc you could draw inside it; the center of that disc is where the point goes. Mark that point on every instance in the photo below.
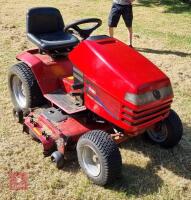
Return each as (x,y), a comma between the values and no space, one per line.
(91,94)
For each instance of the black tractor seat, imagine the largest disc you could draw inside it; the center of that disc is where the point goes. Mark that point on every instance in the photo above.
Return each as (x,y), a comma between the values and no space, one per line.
(53,41)
(45,29)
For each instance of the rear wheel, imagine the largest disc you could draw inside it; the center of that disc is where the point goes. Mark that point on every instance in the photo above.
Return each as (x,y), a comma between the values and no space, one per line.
(168,133)
(24,89)
(99,157)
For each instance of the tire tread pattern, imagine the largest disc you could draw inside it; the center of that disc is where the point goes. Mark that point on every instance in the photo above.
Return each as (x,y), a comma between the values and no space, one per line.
(175,130)
(34,95)
(109,152)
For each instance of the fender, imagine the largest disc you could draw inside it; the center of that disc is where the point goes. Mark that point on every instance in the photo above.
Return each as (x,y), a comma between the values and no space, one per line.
(46,70)
(34,63)
(29,58)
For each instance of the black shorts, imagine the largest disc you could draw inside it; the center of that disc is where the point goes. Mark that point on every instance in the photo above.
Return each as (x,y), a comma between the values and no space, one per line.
(116,11)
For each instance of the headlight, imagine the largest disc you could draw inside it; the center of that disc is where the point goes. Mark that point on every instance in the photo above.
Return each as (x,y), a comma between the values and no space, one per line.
(150,96)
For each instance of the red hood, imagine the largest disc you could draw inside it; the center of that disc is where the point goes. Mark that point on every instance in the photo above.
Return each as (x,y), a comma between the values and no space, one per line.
(117,68)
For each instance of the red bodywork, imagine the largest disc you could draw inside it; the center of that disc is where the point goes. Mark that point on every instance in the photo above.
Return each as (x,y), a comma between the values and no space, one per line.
(110,70)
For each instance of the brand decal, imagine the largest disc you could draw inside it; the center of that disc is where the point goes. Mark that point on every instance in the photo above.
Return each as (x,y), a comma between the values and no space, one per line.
(157,94)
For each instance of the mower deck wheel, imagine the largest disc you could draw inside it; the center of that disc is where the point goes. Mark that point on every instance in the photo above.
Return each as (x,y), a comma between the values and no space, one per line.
(99,157)
(170,132)
(58,159)
(18,115)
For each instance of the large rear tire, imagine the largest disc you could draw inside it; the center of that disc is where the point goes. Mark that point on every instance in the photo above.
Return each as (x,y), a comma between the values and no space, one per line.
(99,157)
(170,132)
(23,87)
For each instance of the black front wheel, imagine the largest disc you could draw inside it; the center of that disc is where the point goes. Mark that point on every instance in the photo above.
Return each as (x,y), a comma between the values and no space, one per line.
(167,133)
(99,157)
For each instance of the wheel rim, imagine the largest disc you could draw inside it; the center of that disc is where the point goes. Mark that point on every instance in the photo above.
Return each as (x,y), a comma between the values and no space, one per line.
(91,161)
(19,92)
(160,134)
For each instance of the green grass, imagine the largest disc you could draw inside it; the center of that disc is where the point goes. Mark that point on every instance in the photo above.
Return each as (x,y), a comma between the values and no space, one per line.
(163,34)
(171,6)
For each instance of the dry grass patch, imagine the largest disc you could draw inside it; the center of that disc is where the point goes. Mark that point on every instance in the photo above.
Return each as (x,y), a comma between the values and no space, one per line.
(149,172)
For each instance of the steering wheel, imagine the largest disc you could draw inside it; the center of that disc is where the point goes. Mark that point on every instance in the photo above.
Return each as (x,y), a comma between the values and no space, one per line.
(83,32)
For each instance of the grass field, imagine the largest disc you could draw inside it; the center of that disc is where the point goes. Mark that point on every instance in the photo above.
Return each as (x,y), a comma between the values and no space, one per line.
(162,32)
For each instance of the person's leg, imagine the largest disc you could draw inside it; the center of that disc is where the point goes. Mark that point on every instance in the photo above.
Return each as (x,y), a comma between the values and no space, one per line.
(127,15)
(114,17)
(130,29)
(111,31)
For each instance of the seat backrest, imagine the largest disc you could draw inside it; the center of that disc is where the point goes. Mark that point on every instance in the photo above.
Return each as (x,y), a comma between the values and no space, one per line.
(44,20)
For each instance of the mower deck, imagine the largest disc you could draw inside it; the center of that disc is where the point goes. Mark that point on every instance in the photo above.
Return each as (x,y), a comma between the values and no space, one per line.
(50,125)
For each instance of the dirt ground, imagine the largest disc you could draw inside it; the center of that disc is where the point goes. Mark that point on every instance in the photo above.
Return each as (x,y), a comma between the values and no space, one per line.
(162,32)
